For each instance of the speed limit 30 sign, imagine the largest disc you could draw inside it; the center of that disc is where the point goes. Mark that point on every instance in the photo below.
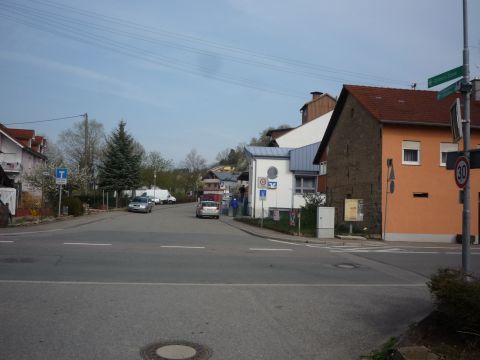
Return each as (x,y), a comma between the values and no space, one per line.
(462,171)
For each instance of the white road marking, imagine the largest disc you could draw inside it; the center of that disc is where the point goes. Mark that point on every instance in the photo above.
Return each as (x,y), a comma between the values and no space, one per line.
(87,244)
(6,241)
(29,232)
(269,249)
(182,247)
(32,282)
(284,242)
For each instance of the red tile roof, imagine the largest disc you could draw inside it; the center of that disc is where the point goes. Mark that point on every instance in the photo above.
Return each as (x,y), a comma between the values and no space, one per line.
(399,106)
(23,134)
(409,106)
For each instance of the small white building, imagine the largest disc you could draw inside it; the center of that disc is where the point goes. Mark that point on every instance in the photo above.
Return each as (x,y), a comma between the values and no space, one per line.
(308,133)
(289,172)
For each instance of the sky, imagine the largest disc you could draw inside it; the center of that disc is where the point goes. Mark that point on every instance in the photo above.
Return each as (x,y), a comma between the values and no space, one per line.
(209,75)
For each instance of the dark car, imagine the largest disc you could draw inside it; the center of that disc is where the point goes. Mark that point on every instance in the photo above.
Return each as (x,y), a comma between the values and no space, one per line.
(140,204)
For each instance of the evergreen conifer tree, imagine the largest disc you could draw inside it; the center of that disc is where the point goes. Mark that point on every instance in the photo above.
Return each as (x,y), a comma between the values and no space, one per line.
(121,165)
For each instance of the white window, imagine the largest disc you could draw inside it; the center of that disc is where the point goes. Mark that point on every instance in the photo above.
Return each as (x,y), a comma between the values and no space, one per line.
(444,149)
(305,184)
(323,168)
(411,152)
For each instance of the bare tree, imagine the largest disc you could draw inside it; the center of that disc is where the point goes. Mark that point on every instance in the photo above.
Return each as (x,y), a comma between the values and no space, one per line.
(194,164)
(81,152)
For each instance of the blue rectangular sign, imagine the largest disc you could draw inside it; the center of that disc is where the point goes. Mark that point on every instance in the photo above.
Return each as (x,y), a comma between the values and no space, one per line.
(263,194)
(61,173)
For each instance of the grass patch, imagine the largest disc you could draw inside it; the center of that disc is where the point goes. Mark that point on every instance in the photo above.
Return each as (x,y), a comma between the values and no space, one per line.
(384,353)
(283,225)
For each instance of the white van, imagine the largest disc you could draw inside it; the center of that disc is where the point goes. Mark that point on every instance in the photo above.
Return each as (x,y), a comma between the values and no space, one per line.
(160,196)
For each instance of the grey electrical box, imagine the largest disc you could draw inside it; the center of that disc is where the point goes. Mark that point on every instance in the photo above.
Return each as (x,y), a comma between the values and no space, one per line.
(325,222)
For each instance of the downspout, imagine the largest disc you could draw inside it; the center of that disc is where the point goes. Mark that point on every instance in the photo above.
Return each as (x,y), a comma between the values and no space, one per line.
(254,180)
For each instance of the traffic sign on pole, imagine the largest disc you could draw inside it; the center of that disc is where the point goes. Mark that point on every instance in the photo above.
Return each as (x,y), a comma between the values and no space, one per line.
(446,76)
(61,175)
(462,172)
(452,88)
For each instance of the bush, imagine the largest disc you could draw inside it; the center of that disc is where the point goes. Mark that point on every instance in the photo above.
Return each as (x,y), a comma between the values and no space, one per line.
(75,206)
(457,296)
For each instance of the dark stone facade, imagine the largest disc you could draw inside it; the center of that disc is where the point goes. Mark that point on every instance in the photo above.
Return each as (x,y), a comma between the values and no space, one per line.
(354,165)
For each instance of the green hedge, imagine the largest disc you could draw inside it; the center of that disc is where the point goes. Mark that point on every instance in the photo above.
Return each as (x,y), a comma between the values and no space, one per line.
(457,296)
(75,206)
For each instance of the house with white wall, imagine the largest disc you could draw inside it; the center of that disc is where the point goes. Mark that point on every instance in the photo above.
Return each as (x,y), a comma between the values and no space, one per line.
(290,174)
(21,152)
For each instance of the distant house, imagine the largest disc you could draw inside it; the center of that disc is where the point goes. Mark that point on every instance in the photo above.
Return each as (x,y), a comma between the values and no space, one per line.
(21,152)
(316,116)
(290,174)
(217,184)
(375,128)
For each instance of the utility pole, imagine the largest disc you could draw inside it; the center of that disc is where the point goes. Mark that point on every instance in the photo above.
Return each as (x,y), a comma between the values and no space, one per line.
(466,90)
(86,155)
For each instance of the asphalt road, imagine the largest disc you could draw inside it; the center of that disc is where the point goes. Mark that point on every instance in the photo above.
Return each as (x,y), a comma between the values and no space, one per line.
(103,287)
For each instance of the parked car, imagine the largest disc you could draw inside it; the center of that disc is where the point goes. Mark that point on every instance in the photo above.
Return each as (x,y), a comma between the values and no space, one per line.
(208,209)
(140,204)
(151,199)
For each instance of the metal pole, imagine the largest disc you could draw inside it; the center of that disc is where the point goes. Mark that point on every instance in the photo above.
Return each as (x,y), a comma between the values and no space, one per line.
(466,89)
(60,200)
(261,223)
(386,207)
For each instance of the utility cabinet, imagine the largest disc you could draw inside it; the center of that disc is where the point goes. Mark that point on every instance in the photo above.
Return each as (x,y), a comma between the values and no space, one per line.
(325,222)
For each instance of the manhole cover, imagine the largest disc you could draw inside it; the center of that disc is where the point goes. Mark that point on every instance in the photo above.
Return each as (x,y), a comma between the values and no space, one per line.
(346,266)
(175,350)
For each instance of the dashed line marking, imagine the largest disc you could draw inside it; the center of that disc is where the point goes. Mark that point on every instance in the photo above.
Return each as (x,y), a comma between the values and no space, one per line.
(87,244)
(182,247)
(6,241)
(268,249)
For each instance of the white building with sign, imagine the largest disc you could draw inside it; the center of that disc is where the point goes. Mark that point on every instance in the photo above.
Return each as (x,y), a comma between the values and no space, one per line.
(286,173)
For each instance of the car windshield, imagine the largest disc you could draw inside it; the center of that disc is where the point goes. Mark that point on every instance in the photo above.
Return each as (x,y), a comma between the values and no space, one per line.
(139,199)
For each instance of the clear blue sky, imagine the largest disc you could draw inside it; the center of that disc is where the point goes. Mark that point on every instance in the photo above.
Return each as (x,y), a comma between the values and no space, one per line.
(208,75)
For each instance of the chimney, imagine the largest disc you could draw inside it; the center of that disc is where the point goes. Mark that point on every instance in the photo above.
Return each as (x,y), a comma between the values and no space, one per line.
(476,89)
(316,94)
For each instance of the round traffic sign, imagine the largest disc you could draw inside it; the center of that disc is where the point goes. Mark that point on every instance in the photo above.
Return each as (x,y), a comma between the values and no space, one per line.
(462,171)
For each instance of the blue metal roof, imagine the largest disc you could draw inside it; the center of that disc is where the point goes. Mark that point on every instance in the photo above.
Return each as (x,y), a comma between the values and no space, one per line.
(301,159)
(267,152)
(226,176)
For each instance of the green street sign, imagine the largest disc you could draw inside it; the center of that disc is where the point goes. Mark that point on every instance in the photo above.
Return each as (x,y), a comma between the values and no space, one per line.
(449,90)
(446,76)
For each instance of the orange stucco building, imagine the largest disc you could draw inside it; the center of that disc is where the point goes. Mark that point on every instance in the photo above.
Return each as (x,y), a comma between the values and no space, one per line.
(409,129)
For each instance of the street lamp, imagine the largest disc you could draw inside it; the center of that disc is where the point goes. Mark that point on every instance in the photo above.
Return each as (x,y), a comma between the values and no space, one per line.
(154,183)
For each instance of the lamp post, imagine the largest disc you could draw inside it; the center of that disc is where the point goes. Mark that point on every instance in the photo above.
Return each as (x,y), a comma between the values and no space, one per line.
(154,183)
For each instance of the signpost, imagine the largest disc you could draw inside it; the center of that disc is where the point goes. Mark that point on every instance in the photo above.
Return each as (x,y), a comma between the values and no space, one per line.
(263,197)
(462,171)
(262,182)
(456,121)
(446,76)
(463,162)
(61,175)
(449,90)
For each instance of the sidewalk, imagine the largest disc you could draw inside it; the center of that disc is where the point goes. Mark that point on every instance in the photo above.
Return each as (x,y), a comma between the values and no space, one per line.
(344,241)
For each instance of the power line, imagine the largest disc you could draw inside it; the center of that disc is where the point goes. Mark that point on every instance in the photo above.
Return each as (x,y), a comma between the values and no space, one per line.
(93,39)
(47,120)
(280,64)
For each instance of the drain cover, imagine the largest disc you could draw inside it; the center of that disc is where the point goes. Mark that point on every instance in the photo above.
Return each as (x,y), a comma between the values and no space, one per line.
(175,350)
(346,266)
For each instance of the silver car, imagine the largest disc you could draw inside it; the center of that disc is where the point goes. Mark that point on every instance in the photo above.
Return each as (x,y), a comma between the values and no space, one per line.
(140,204)
(208,209)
